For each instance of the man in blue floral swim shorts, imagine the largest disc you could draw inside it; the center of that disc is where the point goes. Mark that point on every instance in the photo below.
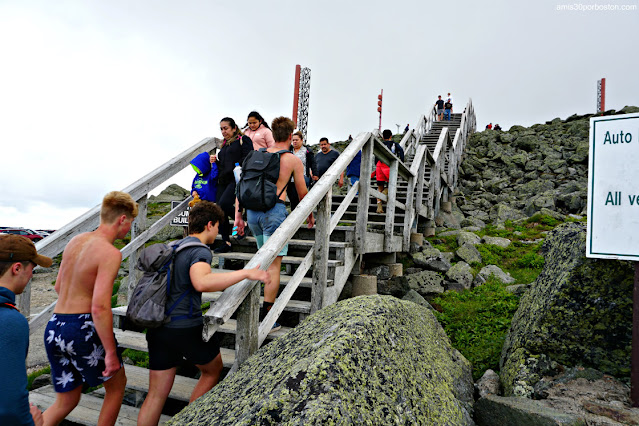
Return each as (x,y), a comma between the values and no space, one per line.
(79,337)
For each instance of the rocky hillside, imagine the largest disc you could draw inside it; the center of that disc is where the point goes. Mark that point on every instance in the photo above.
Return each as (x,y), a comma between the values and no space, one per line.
(540,169)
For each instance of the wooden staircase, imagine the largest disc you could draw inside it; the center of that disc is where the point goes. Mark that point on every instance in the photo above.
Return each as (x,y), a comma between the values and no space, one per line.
(320,260)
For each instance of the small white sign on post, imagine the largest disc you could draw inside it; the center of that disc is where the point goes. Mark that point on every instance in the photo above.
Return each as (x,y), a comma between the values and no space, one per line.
(613,188)
(183,218)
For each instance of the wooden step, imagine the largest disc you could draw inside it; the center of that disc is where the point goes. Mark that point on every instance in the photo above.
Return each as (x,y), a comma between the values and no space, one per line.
(284,278)
(293,260)
(88,410)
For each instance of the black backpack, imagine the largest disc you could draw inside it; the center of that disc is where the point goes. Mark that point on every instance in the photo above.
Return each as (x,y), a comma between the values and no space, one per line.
(147,307)
(257,188)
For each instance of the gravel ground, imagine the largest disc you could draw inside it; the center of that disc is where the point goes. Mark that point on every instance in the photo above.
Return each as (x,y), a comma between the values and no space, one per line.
(42,295)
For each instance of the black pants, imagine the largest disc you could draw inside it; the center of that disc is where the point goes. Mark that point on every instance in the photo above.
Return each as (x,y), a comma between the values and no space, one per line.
(226,201)
(293,197)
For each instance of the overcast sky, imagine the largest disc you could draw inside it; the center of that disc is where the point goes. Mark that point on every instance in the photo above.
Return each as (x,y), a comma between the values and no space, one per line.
(95,94)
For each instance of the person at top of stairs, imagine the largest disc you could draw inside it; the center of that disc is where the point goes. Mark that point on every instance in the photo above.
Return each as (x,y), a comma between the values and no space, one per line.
(263,224)
(235,148)
(307,158)
(79,336)
(182,338)
(382,170)
(18,257)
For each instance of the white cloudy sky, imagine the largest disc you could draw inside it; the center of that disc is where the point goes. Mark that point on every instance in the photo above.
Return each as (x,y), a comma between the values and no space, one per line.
(95,94)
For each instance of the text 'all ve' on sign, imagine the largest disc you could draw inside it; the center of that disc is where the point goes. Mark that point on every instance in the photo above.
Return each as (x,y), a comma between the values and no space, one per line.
(613,188)
(181,219)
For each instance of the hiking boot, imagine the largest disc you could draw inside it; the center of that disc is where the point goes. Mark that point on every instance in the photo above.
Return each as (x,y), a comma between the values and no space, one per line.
(224,248)
(380,207)
(275,327)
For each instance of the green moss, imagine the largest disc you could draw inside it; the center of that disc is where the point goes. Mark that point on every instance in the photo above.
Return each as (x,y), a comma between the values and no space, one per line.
(477,322)
(31,377)
(139,358)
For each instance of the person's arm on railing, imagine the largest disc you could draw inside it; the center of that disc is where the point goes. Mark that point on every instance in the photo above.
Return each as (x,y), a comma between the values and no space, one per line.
(204,279)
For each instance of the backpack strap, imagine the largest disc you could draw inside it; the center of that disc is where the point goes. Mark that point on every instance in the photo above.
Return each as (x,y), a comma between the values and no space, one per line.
(177,247)
(9,305)
(279,153)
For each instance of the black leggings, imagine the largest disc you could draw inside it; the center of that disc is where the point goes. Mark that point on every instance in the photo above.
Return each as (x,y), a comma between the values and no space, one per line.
(226,201)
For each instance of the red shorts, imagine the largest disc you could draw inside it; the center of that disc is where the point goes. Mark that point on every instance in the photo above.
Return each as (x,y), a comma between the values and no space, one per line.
(381,172)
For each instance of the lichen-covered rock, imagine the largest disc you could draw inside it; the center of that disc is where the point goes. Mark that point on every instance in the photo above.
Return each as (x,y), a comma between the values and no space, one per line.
(370,360)
(426,283)
(488,384)
(496,241)
(173,192)
(413,296)
(493,270)
(577,312)
(462,273)
(432,259)
(467,237)
(497,410)
(500,213)
(469,253)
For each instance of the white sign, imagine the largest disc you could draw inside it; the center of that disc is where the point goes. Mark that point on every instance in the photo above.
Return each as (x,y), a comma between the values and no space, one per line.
(183,218)
(613,188)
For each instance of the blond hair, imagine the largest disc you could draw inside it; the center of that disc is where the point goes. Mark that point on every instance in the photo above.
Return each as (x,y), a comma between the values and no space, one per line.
(116,204)
(282,128)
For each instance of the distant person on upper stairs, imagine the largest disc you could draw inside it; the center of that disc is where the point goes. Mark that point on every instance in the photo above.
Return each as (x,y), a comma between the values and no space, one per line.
(449,98)
(264,223)
(350,138)
(204,186)
(406,129)
(497,127)
(448,107)
(325,159)
(18,257)
(382,171)
(308,161)
(235,148)
(181,338)
(259,132)
(79,336)
(440,108)
(489,126)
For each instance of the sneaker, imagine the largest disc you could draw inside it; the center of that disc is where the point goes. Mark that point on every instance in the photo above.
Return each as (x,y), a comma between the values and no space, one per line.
(224,248)
(275,327)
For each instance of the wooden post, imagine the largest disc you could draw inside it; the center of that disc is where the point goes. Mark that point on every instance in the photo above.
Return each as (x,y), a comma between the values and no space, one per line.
(320,264)
(634,360)
(23,301)
(409,213)
(390,207)
(363,197)
(247,322)
(139,226)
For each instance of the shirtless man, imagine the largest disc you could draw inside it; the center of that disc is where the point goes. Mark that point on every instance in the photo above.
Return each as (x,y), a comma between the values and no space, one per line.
(79,336)
(264,224)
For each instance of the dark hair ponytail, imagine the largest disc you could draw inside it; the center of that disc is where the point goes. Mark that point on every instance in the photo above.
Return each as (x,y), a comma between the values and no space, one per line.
(258,117)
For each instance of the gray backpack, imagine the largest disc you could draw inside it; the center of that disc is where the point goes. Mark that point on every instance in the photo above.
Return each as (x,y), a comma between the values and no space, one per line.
(147,307)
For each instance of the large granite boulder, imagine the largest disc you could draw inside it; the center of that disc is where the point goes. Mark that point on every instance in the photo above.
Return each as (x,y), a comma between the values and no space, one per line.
(368,360)
(432,259)
(577,312)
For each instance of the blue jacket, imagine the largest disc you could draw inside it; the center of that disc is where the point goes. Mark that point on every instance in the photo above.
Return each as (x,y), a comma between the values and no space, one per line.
(205,180)
(14,344)
(354,165)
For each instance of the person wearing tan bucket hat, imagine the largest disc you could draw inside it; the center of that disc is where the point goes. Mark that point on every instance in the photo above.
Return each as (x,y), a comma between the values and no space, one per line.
(18,257)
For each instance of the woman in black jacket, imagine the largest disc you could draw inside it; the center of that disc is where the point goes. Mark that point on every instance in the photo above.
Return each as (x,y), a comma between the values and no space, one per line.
(235,148)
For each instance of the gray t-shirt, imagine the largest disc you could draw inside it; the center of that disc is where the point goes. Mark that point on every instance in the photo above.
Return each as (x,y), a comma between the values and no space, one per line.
(324,161)
(181,283)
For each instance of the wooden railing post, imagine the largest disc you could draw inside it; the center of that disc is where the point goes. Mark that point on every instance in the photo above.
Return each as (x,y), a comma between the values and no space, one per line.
(390,206)
(23,301)
(363,197)
(409,214)
(320,264)
(139,226)
(247,322)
